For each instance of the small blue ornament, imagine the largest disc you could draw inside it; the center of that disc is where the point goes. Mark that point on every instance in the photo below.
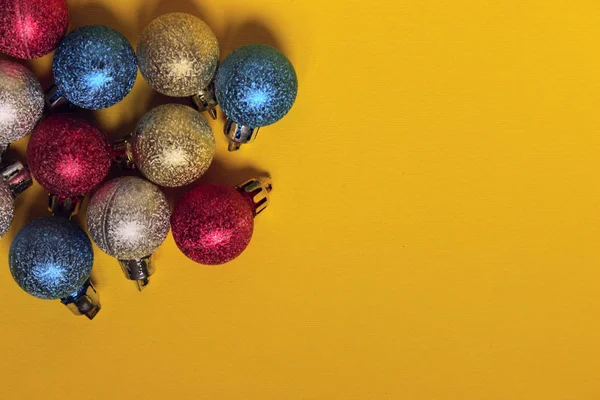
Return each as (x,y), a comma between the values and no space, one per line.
(94,67)
(256,85)
(51,258)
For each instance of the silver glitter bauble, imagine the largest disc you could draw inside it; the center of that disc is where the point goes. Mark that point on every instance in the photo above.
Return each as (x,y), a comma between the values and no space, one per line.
(21,102)
(178,55)
(173,145)
(128,218)
(7,208)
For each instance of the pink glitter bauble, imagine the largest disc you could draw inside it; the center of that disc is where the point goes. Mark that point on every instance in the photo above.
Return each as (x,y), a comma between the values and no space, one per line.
(212,224)
(67,156)
(32,28)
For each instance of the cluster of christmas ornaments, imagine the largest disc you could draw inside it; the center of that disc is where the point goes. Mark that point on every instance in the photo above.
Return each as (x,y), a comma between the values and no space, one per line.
(95,67)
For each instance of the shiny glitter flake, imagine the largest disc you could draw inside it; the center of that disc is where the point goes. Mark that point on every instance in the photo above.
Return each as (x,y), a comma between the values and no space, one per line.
(32,28)
(173,145)
(94,67)
(51,258)
(67,156)
(178,55)
(21,102)
(256,85)
(212,224)
(7,208)
(128,218)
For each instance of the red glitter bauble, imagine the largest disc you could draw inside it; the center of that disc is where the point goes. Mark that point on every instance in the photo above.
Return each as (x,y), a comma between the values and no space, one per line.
(67,156)
(212,224)
(32,28)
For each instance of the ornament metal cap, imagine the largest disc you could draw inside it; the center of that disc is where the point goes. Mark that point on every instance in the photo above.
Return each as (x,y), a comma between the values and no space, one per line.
(206,100)
(239,134)
(139,270)
(64,206)
(122,154)
(257,191)
(55,99)
(18,178)
(85,302)
(4,151)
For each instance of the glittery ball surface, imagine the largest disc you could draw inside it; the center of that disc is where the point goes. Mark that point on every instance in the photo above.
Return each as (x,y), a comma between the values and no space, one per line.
(173,145)
(51,258)
(212,224)
(7,208)
(32,28)
(67,156)
(21,102)
(178,55)
(94,67)
(256,85)
(128,218)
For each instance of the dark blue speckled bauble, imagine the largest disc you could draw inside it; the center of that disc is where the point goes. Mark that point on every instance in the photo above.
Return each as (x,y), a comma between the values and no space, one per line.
(51,258)
(256,85)
(94,67)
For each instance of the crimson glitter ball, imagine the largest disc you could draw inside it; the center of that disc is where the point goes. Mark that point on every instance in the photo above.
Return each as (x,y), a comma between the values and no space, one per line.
(67,156)
(212,224)
(32,28)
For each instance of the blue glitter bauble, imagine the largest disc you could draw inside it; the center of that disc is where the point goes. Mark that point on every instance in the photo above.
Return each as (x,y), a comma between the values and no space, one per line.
(256,85)
(94,67)
(51,258)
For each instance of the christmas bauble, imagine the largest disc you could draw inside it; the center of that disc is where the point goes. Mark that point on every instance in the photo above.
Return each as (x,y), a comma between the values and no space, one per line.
(51,258)
(178,55)
(173,145)
(32,28)
(67,156)
(256,85)
(21,102)
(213,224)
(94,67)
(128,218)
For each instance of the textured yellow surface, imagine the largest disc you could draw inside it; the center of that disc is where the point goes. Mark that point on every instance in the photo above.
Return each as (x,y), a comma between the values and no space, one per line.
(433,229)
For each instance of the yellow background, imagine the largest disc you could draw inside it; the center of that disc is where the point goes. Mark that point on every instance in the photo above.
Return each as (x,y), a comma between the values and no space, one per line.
(432,234)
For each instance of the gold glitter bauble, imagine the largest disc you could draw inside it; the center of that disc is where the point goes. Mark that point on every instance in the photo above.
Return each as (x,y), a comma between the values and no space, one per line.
(173,145)
(178,54)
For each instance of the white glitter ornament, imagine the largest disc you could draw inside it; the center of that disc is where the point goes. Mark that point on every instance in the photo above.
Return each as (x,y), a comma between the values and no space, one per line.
(21,102)
(128,218)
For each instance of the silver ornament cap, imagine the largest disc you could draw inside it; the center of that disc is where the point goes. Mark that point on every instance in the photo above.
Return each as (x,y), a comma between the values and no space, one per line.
(258,192)
(15,180)
(206,100)
(85,302)
(138,270)
(239,134)
(17,177)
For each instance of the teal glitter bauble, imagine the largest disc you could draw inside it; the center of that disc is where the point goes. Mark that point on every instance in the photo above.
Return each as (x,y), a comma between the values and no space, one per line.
(256,85)
(94,67)
(51,258)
